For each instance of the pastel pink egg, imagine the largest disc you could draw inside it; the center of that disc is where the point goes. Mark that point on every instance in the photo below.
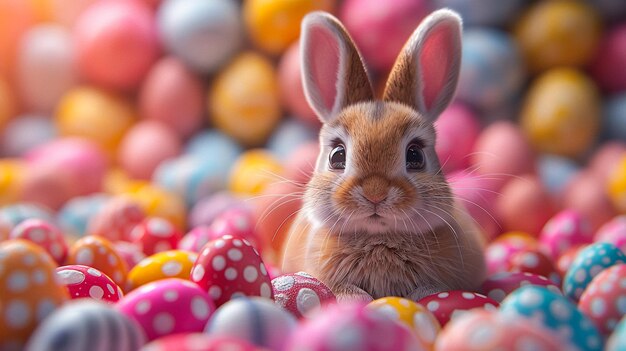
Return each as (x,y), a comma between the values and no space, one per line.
(145,146)
(607,68)
(503,152)
(301,294)
(230,267)
(88,282)
(238,222)
(196,238)
(380,29)
(499,286)
(131,253)
(46,186)
(614,232)
(116,219)
(168,306)
(447,306)
(46,67)
(290,83)
(566,229)
(154,235)
(173,95)
(498,253)
(586,194)
(44,234)
(606,158)
(457,130)
(107,29)
(198,342)
(524,205)
(604,299)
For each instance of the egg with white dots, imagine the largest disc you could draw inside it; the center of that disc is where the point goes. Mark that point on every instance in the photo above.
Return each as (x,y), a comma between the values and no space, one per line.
(301,294)
(88,282)
(604,299)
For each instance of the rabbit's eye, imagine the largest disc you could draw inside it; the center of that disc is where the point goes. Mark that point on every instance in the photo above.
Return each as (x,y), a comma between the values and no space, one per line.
(337,158)
(415,159)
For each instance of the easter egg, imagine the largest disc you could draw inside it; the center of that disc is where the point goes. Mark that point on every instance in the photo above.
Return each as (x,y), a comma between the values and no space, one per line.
(558,33)
(203,34)
(248,113)
(613,117)
(7,102)
(534,261)
(78,211)
(44,234)
(614,232)
(29,291)
(500,285)
(26,132)
(15,213)
(105,30)
(605,159)
(99,253)
(88,282)
(209,208)
(86,324)
(617,340)
(197,342)
(145,146)
(556,172)
(46,186)
(483,12)
(482,330)
(254,170)
(288,136)
(603,301)
(256,320)
(586,194)
(196,238)
(229,268)
(100,116)
(172,95)
(154,235)
(589,262)
(457,130)
(158,202)
(617,185)
(168,306)
(502,151)
(291,90)
(446,306)
(162,265)
(238,222)
(301,294)
(15,19)
(566,259)
(352,327)
(115,219)
(211,141)
(273,25)
(381,29)
(46,67)
(524,194)
(609,57)
(12,173)
(64,12)
(565,230)
(129,252)
(554,312)
(561,112)
(492,69)
(413,315)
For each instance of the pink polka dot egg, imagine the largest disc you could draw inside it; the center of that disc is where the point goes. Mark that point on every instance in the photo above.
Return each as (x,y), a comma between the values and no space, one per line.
(614,232)
(44,234)
(301,294)
(155,234)
(565,230)
(447,305)
(196,238)
(168,306)
(604,299)
(499,285)
(88,282)
(115,219)
(198,342)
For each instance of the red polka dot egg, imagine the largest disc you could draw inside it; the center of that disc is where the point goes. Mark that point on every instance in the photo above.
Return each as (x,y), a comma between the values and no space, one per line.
(498,286)
(536,262)
(116,219)
(447,305)
(83,281)
(155,234)
(44,234)
(604,299)
(230,267)
(301,294)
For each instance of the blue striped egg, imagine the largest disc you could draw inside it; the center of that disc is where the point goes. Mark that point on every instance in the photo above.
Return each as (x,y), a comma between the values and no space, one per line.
(86,324)
(555,312)
(589,262)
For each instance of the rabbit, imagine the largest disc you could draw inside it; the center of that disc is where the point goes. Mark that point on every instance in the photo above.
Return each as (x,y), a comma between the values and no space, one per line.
(378,217)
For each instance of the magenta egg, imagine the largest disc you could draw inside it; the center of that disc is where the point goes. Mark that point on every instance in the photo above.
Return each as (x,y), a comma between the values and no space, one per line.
(457,130)
(88,282)
(566,229)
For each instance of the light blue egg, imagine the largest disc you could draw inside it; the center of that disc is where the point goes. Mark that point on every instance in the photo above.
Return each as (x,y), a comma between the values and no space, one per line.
(203,34)
(555,172)
(74,216)
(288,136)
(213,141)
(23,133)
(483,12)
(617,339)
(555,312)
(614,117)
(492,70)
(589,262)
(16,213)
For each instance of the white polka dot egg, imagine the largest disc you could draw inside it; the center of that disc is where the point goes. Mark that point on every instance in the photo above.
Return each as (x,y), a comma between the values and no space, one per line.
(563,231)
(83,281)
(230,267)
(198,342)
(301,294)
(448,305)
(499,285)
(168,306)
(166,264)
(604,299)
(44,234)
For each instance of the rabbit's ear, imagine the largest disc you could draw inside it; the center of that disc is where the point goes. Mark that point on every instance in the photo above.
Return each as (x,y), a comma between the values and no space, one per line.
(426,72)
(333,74)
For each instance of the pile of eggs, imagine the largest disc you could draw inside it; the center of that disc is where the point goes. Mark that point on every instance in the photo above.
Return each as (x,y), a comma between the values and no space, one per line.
(153,154)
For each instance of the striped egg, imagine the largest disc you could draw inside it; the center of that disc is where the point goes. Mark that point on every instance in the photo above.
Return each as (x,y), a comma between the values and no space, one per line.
(86,324)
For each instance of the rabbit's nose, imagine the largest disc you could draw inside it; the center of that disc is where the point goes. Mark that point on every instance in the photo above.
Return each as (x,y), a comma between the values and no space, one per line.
(375,189)
(375,198)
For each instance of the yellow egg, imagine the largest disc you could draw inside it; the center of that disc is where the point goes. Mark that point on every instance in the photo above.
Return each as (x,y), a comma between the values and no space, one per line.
(95,114)
(274,24)
(157,202)
(617,186)
(7,103)
(29,291)
(162,265)
(558,33)
(244,100)
(11,178)
(561,114)
(415,316)
(254,170)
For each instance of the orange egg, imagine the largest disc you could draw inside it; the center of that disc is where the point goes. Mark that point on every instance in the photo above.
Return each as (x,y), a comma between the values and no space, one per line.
(617,186)
(99,253)
(254,170)
(29,291)
(162,265)
(157,202)
(12,173)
